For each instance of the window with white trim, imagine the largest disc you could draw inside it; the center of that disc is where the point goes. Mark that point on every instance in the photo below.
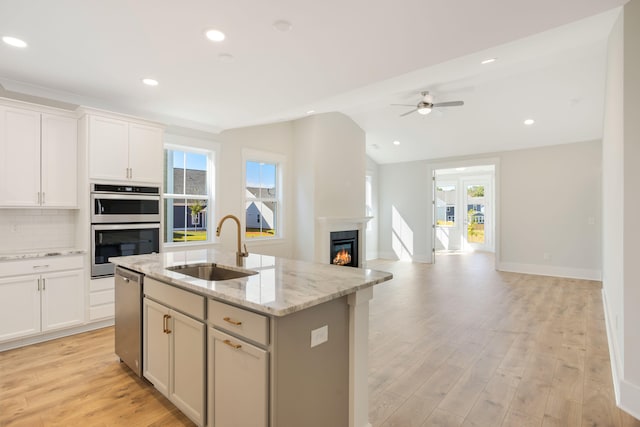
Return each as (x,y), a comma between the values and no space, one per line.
(262,196)
(187,195)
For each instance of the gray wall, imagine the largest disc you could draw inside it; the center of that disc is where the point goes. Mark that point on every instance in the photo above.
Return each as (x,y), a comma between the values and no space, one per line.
(551,204)
(561,182)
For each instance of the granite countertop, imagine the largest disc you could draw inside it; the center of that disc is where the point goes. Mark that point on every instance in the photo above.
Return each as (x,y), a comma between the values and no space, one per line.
(40,253)
(282,286)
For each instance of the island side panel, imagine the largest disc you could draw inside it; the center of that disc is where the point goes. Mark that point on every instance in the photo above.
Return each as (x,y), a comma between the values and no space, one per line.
(311,385)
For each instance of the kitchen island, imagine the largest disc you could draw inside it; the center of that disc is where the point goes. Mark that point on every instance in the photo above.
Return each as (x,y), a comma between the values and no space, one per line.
(284,346)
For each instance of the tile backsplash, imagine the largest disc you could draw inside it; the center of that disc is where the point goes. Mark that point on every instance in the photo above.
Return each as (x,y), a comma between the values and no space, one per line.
(35,229)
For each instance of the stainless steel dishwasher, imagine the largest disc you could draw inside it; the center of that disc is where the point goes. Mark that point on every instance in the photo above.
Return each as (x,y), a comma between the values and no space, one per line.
(128,322)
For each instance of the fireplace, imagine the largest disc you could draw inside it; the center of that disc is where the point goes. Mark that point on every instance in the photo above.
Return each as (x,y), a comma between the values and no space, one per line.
(344,248)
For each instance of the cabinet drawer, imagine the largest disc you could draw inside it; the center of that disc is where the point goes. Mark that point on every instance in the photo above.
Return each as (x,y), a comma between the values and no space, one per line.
(184,301)
(102,284)
(101,297)
(244,323)
(101,311)
(40,265)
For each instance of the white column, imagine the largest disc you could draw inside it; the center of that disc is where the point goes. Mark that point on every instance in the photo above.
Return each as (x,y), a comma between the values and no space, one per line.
(359,357)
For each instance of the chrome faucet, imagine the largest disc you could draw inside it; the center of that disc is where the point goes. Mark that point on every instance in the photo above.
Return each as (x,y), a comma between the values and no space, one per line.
(239,254)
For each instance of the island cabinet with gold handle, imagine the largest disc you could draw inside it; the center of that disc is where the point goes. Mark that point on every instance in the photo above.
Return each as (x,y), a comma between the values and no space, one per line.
(174,336)
(238,382)
(270,371)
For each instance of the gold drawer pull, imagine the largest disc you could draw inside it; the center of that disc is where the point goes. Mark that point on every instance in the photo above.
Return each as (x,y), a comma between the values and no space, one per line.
(230,344)
(233,322)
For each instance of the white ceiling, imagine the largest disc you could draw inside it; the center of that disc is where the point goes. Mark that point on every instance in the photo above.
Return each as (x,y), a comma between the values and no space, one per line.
(355,56)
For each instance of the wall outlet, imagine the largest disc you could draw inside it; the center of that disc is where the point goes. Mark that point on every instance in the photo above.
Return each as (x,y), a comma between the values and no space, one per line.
(319,336)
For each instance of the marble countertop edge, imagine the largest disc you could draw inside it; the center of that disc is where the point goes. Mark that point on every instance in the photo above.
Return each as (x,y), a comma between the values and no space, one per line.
(40,253)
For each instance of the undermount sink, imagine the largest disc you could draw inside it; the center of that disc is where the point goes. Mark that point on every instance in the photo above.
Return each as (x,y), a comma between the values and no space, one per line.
(210,271)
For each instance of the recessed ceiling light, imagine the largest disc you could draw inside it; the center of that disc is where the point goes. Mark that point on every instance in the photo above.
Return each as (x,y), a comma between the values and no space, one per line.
(226,57)
(150,82)
(311,111)
(529,122)
(488,61)
(215,35)
(396,142)
(12,41)
(282,25)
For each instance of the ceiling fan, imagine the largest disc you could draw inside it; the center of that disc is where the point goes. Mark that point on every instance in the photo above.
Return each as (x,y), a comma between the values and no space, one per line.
(425,106)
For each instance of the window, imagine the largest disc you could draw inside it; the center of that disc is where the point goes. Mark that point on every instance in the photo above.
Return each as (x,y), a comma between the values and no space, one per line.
(445,204)
(262,199)
(368,199)
(187,194)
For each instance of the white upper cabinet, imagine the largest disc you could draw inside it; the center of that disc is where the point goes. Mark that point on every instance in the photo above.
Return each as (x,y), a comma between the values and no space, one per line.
(38,159)
(20,157)
(120,150)
(59,161)
(145,153)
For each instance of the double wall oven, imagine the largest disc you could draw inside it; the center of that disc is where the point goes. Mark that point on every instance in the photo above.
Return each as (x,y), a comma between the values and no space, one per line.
(125,220)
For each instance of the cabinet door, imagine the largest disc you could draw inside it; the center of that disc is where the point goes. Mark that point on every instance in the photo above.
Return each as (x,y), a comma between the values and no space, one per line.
(19,157)
(19,307)
(108,148)
(59,161)
(239,386)
(62,299)
(156,345)
(187,360)
(145,153)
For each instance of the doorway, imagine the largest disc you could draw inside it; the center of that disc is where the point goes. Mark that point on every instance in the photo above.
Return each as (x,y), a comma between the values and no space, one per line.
(464,219)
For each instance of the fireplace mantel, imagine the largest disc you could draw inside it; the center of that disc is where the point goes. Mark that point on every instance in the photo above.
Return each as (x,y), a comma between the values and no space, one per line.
(347,219)
(327,224)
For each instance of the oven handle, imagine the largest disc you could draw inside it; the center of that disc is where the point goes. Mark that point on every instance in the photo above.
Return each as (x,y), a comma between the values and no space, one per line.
(124,196)
(98,227)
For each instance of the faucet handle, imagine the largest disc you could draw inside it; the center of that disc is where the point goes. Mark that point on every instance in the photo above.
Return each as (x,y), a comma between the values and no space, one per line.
(246,252)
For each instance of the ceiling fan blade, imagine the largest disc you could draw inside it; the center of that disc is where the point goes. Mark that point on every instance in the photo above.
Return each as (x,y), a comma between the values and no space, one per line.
(449,104)
(404,105)
(408,112)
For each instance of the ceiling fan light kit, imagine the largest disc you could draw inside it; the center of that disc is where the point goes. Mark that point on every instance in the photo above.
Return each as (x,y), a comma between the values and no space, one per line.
(425,106)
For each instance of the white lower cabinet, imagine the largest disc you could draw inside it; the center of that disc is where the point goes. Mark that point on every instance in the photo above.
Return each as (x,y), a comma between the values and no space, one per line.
(238,382)
(34,303)
(20,300)
(174,357)
(62,299)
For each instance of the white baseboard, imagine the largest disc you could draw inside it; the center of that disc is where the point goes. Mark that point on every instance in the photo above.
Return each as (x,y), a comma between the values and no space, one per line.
(426,259)
(22,342)
(630,398)
(613,349)
(627,394)
(551,270)
(387,255)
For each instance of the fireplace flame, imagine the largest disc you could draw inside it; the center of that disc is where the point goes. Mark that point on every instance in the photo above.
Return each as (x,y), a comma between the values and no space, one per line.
(342,258)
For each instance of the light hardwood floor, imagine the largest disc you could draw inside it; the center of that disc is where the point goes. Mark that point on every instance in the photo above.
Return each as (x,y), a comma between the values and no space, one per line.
(460,344)
(455,343)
